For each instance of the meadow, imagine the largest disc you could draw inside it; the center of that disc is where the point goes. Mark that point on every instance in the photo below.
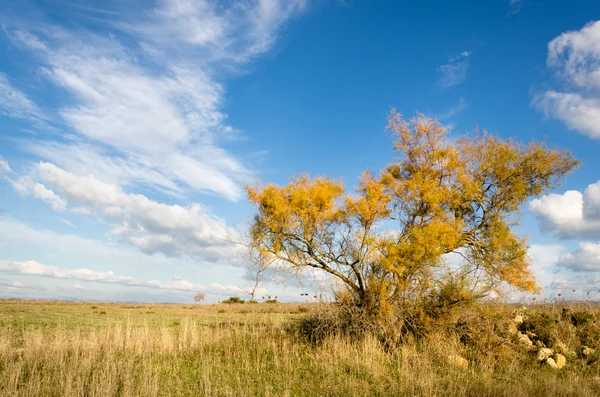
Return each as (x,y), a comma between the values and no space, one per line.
(121,349)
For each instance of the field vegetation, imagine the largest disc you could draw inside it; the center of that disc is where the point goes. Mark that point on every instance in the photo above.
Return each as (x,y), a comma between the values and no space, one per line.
(118,349)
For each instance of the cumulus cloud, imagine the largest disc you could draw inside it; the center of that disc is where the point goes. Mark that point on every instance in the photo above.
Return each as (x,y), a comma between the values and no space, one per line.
(573,215)
(150,226)
(26,187)
(454,71)
(575,58)
(570,215)
(586,258)
(34,268)
(73,249)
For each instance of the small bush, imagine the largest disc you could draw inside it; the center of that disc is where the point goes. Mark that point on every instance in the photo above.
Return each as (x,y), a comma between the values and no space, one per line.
(271,301)
(252,301)
(233,299)
(589,334)
(102,312)
(541,324)
(345,320)
(581,318)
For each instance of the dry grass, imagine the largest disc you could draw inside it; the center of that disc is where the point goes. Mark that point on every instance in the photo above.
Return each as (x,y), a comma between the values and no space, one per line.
(91,349)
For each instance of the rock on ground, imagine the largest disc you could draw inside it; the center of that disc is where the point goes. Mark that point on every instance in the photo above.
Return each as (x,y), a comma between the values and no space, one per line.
(560,360)
(518,319)
(524,340)
(588,351)
(544,353)
(458,361)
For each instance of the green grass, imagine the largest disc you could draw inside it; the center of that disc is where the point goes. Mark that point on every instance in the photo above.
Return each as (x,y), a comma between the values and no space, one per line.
(71,349)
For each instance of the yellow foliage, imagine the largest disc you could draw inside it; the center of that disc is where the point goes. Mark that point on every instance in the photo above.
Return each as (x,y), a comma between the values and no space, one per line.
(389,240)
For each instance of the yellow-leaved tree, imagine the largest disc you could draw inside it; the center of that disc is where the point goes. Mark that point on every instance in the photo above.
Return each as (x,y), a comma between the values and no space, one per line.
(433,227)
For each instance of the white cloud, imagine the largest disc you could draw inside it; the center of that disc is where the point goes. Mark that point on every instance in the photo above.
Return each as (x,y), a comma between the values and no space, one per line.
(453,111)
(514,7)
(149,111)
(4,166)
(34,268)
(72,248)
(146,224)
(16,104)
(37,269)
(454,72)
(576,111)
(543,259)
(586,258)
(575,57)
(572,214)
(27,187)
(11,283)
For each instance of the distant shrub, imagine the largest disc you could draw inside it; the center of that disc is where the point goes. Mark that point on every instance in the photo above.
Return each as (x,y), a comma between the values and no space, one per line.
(580,318)
(94,307)
(233,299)
(102,312)
(253,301)
(221,311)
(541,324)
(271,301)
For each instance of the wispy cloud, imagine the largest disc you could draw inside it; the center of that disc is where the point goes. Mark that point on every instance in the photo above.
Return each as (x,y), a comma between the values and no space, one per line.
(34,268)
(453,111)
(454,71)
(14,103)
(514,7)
(4,166)
(575,57)
(11,284)
(147,100)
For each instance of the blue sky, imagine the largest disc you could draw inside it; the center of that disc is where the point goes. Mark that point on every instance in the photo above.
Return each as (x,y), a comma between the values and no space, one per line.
(128,128)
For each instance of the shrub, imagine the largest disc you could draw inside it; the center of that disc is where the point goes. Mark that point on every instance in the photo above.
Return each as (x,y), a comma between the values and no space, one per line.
(541,324)
(233,299)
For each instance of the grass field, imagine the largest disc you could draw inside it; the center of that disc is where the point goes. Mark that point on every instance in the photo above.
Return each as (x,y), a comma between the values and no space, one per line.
(116,349)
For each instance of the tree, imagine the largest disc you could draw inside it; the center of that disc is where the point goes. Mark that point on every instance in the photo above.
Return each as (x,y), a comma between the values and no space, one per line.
(434,226)
(199,297)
